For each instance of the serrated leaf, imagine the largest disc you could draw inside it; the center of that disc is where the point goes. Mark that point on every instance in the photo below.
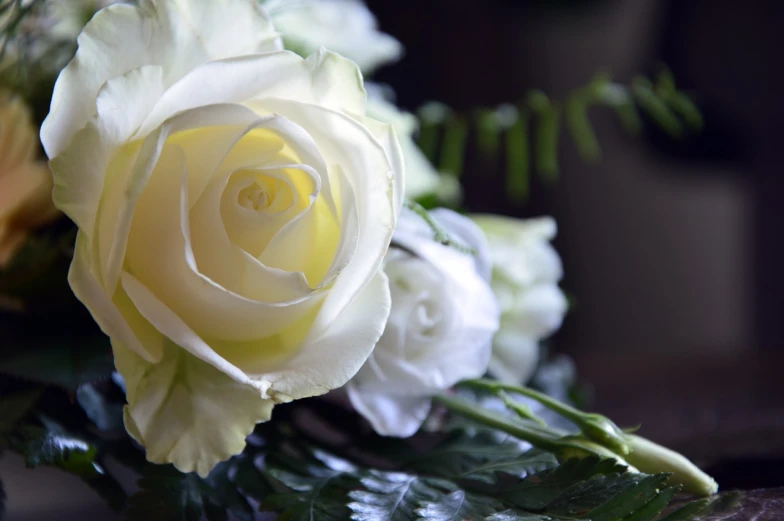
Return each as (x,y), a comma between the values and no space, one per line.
(251,481)
(512,515)
(482,457)
(65,357)
(630,499)
(227,491)
(393,496)
(654,507)
(687,512)
(58,449)
(52,446)
(107,415)
(563,486)
(321,495)
(166,494)
(458,506)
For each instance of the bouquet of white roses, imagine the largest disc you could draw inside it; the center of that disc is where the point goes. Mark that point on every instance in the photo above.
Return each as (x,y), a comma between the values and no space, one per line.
(250,227)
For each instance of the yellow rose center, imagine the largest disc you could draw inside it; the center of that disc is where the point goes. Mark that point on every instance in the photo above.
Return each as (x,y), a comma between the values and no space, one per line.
(254,214)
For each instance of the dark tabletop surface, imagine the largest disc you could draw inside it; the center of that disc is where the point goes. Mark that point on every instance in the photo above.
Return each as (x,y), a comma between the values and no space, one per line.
(726,412)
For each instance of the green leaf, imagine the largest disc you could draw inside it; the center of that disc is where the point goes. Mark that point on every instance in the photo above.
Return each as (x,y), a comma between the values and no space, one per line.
(687,512)
(630,499)
(453,146)
(656,108)
(58,449)
(394,496)
(228,493)
(481,457)
(52,446)
(319,491)
(14,407)
(574,480)
(512,515)
(458,506)
(321,497)
(251,481)
(576,113)
(106,414)
(166,494)
(654,507)
(63,357)
(517,159)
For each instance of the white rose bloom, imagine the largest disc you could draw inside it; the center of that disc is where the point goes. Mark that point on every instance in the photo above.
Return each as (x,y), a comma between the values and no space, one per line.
(439,332)
(344,26)
(422,178)
(526,270)
(234,207)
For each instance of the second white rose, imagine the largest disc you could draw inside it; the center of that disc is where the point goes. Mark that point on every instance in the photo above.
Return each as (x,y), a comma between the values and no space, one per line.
(526,270)
(440,328)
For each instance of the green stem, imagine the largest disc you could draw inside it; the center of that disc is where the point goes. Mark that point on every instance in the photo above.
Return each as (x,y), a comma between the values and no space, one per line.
(594,426)
(567,411)
(540,436)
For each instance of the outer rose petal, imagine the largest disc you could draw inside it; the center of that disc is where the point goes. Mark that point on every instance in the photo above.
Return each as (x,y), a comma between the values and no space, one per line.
(329,362)
(390,415)
(324,78)
(179,409)
(109,318)
(344,26)
(175,34)
(515,357)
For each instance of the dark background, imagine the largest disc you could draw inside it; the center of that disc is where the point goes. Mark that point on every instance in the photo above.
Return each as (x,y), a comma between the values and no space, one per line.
(672,249)
(667,245)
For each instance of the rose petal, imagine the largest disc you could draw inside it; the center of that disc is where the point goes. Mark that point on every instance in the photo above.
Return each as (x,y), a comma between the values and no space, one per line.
(177,35)
(178,409)
(389,414)
(330,361)
(370,177)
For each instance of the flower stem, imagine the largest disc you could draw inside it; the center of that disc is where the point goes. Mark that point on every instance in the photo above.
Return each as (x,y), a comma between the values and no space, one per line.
(595,426)
(540,436)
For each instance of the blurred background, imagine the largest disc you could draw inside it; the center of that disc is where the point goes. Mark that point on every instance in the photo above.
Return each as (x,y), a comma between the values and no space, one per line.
(672,249)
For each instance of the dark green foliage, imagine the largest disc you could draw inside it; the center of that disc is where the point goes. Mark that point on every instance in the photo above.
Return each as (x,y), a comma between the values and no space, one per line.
(13,407)
(62,357)
(394,496)
(105,413)
(320,494)
(575,478)
(532,127)
(481,457)
(52,446)
(459,505)
(167,494)
(654,507)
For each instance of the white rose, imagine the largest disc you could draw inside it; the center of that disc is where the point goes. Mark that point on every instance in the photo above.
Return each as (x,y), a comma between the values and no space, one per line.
(440,328)
(344,26)
(526,271)
(234,207)
(422,178)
